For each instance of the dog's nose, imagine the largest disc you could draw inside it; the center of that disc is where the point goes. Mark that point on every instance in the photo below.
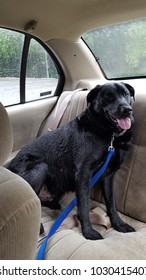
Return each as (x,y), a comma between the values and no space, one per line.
(125,110)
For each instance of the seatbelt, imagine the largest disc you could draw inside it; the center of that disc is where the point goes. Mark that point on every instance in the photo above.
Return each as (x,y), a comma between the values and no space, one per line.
(61,108)
(70,206)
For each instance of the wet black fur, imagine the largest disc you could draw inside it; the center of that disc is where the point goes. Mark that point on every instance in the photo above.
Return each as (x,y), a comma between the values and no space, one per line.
(66,159)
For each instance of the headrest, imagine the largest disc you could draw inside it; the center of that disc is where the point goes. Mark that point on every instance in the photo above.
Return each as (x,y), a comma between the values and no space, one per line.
(6,135)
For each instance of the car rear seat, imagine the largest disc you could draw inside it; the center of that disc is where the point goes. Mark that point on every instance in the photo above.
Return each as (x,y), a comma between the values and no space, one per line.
(69,105)
(130,191)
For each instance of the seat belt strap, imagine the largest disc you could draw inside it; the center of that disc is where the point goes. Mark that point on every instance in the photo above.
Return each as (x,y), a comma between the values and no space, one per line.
(61,108)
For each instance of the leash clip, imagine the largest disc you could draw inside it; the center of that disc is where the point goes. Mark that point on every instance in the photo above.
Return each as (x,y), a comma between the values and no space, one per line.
(111,147)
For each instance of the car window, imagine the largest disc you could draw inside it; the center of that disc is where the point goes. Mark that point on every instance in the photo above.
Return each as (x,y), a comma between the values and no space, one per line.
(11,46)
(41,73)
(120,49)
(27,70)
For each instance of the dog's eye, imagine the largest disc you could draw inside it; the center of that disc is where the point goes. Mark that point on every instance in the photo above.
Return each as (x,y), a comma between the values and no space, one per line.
(126,93)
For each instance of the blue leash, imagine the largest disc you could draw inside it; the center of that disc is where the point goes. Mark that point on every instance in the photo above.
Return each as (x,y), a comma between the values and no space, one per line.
(71,205)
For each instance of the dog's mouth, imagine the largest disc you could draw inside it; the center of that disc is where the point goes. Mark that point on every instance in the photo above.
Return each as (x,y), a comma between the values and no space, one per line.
(124,123)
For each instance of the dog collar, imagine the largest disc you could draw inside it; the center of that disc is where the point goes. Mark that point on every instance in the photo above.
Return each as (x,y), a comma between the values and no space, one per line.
(113,137)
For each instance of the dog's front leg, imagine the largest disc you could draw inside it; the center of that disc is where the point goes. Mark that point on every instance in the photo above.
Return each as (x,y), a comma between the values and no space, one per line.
(82,194)
(107,190)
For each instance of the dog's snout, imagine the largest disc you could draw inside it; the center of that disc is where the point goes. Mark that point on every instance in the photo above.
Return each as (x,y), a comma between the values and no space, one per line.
(125,110)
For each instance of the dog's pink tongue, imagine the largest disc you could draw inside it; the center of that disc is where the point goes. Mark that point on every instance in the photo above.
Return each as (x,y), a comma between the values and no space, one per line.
(124,123)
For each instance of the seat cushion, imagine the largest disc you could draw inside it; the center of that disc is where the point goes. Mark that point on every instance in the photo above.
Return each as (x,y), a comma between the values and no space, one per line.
(71,244)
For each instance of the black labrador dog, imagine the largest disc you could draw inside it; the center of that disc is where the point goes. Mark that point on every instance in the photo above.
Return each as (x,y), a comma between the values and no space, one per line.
(65,159)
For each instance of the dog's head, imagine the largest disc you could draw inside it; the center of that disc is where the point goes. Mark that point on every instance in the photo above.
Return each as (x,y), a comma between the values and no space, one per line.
(113,102)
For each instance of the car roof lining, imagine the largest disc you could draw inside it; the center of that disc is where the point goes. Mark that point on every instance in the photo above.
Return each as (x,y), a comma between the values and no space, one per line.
(66,19)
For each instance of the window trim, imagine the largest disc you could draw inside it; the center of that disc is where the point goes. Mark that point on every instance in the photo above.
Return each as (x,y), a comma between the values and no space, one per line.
(61,80)
(25,51)
(96,58)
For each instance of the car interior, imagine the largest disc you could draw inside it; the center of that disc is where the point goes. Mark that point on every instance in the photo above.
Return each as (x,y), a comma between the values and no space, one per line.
(52,53)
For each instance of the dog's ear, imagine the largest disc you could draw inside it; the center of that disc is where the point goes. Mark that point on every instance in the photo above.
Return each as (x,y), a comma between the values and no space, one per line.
(93,93)
(131,89)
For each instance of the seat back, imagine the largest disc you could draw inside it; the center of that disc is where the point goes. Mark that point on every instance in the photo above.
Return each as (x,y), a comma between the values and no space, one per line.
(69,105)
(19,205)
(6,135)
(130,180)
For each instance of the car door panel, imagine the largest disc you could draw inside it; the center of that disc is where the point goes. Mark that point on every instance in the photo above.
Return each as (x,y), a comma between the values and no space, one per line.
(27,118)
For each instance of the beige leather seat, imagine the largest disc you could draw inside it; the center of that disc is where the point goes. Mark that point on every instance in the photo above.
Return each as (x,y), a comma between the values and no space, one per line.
(20,209)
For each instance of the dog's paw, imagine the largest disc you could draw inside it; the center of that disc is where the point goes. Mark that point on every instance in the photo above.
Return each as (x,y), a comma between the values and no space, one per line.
(92,234)
(123,227)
